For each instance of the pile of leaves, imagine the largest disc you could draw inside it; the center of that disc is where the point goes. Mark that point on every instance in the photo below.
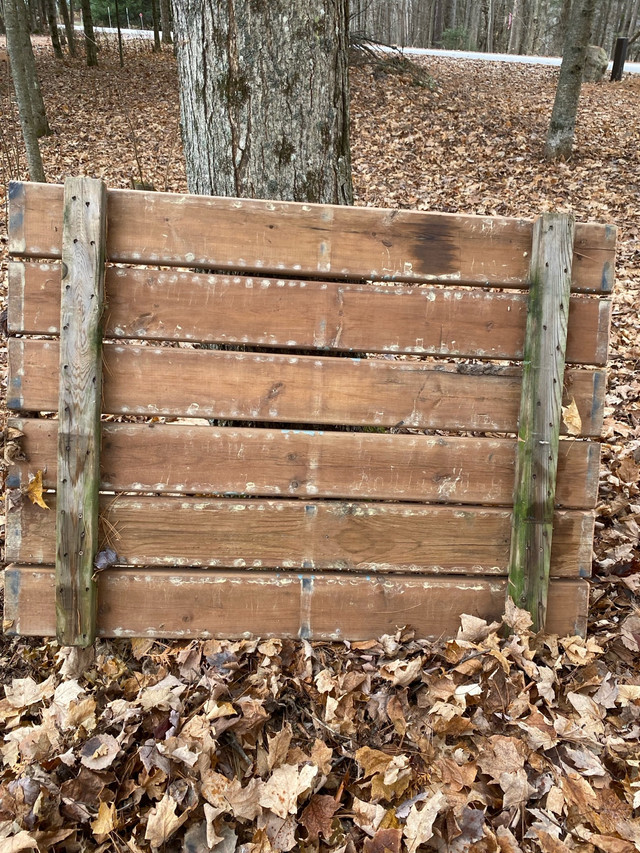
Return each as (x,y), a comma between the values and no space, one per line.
(498,741)
(479,743)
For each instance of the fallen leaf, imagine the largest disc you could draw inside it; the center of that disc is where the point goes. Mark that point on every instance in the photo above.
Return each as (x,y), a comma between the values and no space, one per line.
(34,490)
(162,821)
(571,418)
(419,826)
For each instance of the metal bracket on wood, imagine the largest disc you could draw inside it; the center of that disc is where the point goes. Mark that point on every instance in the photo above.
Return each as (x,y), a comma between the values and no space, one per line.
(540,414)
(80,396)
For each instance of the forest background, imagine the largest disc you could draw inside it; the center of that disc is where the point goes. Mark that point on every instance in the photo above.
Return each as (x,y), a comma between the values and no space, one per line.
(479,744)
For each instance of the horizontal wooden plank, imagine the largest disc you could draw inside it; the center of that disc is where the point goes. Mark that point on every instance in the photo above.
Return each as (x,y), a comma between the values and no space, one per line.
(320,535)
(294,463)
(263,387)
(165,603)
(284,238)
(289,314)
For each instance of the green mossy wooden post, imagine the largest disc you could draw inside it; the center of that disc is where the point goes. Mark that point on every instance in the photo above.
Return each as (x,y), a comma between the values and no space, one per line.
(540,414)
(83,254)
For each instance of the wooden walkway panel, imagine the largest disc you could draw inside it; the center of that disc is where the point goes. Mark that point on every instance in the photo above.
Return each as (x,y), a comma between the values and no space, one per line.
(292,239)
(294,534)
(184,459)
(289,314)
(264,387)
(183,604)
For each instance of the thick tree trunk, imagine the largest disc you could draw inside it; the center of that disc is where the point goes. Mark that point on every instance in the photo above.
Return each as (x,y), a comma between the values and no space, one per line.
(165,17)
(68,27)
(264,98)
(15,48)
(38,111)
(90,46)
(559,144)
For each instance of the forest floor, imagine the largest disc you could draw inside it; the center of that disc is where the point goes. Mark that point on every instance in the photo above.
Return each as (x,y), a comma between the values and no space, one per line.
(479,744)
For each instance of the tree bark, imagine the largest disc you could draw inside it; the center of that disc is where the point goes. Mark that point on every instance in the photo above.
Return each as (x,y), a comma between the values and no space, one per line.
(68,27)
(264,98)
(559,144)
(165,17)
(155,17)
(30,71)
(19,66)
(52,19)
(90,46)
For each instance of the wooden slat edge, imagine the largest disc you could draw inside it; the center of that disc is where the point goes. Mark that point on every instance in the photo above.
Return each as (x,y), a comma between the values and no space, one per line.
(293,534)
(266,387)
(164,603)
(332,228)
(160,458)
(291,314)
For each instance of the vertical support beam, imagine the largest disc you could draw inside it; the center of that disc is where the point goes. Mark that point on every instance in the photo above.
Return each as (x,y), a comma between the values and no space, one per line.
(540,414)
(83,257)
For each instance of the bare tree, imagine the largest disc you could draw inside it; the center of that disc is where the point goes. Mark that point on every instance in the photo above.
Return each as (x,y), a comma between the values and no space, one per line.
(264,98)
(90,45)
(22,84)
(559,144)
(68,26)
(165,17)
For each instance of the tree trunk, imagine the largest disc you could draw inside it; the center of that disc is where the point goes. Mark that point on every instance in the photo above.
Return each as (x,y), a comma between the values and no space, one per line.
(68,27)
(30,71)
(264,98)
(120,50)
(165,17)
(90,46)
(52,19)
(559,144)
(514,30)
(155,16)
(21,82)
(490,25)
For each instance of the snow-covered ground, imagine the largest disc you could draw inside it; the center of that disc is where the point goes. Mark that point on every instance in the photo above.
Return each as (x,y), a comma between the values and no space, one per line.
(630,67)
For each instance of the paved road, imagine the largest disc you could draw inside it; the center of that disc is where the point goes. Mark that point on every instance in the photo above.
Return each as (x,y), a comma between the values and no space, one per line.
(630,67)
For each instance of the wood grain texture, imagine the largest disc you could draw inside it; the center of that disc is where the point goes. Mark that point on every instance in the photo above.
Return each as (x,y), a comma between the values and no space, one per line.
(264,387)
(540,414)
(79,401)
(163,603)
(295,463)
(320,535)
(288,314)
(286,238)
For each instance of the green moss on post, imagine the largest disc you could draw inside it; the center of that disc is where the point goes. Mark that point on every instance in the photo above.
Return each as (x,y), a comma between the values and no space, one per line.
(540,414)
(80,393)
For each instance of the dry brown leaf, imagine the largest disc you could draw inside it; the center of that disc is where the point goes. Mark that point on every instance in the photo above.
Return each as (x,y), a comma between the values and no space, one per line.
(105,822)
(35,489)
(318,815)
(571,418)
(419,826)
(162,821)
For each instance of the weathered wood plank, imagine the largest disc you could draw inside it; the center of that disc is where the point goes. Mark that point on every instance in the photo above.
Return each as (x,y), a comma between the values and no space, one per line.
(540,414)
(307,240)
(165,603)
(80,390)
(288,314)
(175,382)
(297,463)
(320,535)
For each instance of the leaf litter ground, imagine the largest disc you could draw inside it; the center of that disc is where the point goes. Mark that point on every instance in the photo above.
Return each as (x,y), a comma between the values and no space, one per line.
(477,744)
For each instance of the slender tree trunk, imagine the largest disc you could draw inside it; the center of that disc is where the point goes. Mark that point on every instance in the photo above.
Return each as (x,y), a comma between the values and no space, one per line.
(514,31)
(264,98)
(156,26)
(120,51)
(52,18)
(30,71)
(559,144)
(90,46)
(68,27)
(15,48)
(490,25)
(165,17)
